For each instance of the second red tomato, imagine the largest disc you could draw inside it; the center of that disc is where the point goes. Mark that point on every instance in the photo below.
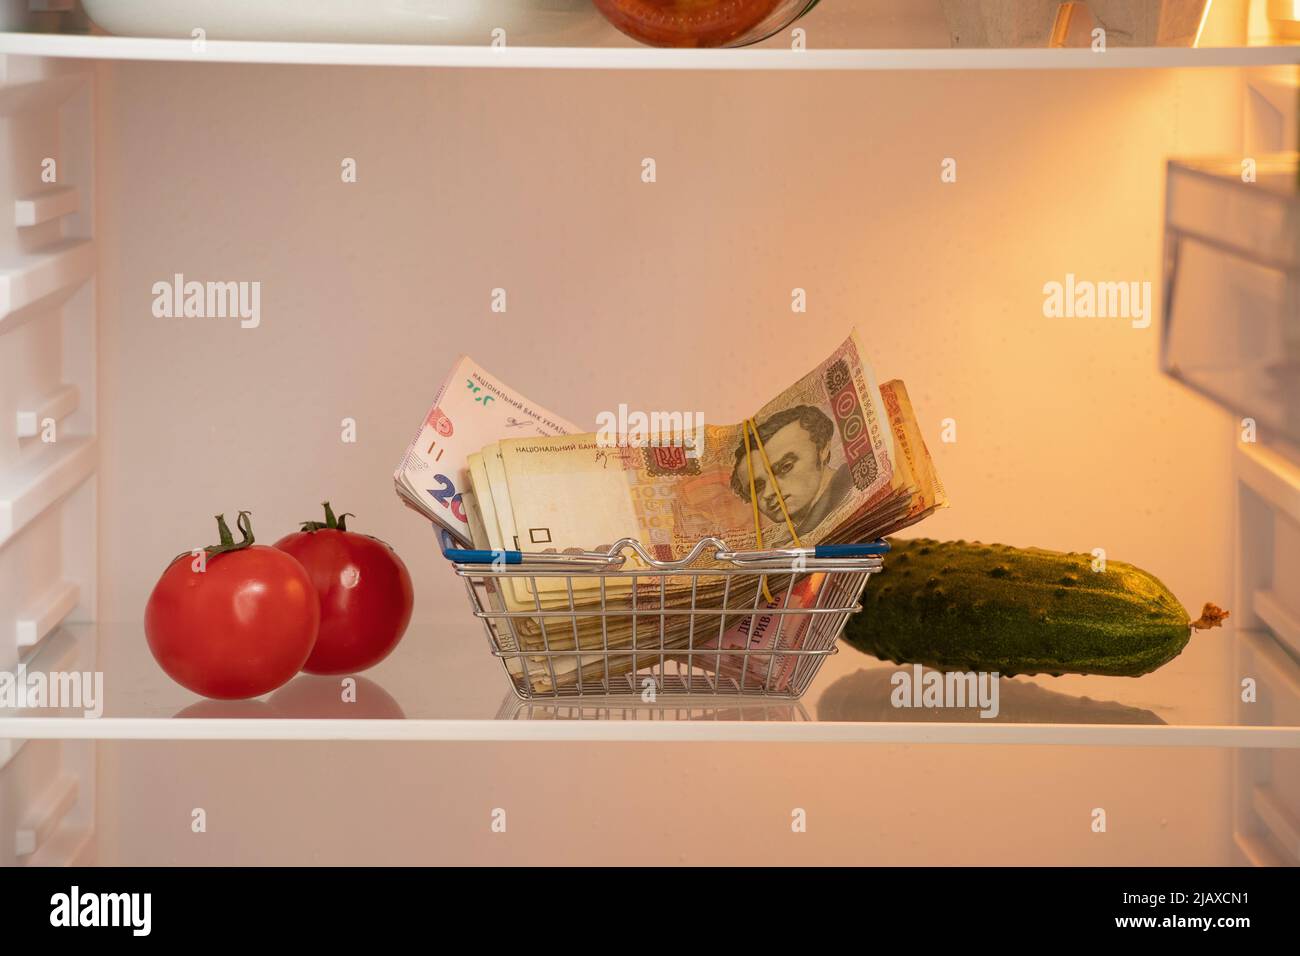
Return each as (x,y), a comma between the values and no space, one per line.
(365,594)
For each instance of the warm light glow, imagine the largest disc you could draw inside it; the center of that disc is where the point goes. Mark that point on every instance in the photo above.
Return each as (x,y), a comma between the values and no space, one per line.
(1200,27)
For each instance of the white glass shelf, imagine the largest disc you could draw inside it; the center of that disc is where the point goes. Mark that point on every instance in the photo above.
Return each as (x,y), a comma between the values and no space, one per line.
(96,47)
(443,684)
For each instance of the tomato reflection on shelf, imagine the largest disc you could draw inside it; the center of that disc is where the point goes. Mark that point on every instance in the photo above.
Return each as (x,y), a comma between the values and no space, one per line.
(308,696)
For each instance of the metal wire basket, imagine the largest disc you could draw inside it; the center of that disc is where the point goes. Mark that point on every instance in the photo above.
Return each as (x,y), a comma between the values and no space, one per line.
(594,624)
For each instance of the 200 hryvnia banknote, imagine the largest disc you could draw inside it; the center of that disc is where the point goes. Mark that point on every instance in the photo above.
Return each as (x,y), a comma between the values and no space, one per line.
(471,409)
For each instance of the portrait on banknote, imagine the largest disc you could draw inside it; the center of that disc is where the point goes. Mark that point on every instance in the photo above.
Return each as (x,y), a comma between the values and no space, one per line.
(804,475)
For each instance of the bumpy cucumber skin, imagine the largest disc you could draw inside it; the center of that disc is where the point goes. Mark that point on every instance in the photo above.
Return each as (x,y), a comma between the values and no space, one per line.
(966,606)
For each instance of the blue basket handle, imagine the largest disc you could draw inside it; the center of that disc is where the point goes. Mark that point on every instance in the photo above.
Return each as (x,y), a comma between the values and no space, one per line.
(865,550)
(476,556)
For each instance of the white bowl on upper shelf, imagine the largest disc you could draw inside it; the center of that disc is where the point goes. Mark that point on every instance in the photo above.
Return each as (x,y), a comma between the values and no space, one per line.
(473,22)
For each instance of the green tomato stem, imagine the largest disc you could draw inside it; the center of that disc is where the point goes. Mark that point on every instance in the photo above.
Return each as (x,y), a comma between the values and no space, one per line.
(228,543)
(331,522)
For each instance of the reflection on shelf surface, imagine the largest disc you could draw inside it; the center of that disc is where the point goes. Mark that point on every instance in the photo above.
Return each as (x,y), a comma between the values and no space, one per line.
(443,684)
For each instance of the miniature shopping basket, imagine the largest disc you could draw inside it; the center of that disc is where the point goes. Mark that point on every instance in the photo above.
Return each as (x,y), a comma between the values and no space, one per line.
(715,622)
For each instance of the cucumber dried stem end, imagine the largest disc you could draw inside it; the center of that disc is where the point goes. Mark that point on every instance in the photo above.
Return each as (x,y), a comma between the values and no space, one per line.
(1211,616)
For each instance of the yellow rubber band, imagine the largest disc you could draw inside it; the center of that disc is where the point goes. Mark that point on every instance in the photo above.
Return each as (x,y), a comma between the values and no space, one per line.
(753,497)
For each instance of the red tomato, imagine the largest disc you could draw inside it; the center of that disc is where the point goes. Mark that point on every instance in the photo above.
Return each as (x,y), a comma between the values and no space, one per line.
(686,23)
(240,627)
(365,594)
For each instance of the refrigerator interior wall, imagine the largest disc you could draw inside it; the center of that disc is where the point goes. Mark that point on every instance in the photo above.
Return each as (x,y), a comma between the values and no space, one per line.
(671,294)
(1267,793)
(47,435)
(1233,332)
(666,804)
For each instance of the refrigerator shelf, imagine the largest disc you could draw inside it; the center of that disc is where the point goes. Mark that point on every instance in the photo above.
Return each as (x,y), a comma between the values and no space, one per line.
(438,685)
(94,47)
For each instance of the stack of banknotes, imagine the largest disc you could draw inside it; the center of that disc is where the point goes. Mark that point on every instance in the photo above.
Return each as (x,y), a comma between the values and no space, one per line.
(834,458)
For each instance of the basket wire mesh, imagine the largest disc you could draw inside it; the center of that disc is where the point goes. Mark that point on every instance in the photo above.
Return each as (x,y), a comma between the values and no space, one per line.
(695,626)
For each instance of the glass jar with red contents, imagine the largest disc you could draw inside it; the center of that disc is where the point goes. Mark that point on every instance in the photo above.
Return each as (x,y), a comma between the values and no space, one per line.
(702,23)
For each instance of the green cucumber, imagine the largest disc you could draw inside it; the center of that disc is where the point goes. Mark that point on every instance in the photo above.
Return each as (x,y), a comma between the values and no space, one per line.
(966,606)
